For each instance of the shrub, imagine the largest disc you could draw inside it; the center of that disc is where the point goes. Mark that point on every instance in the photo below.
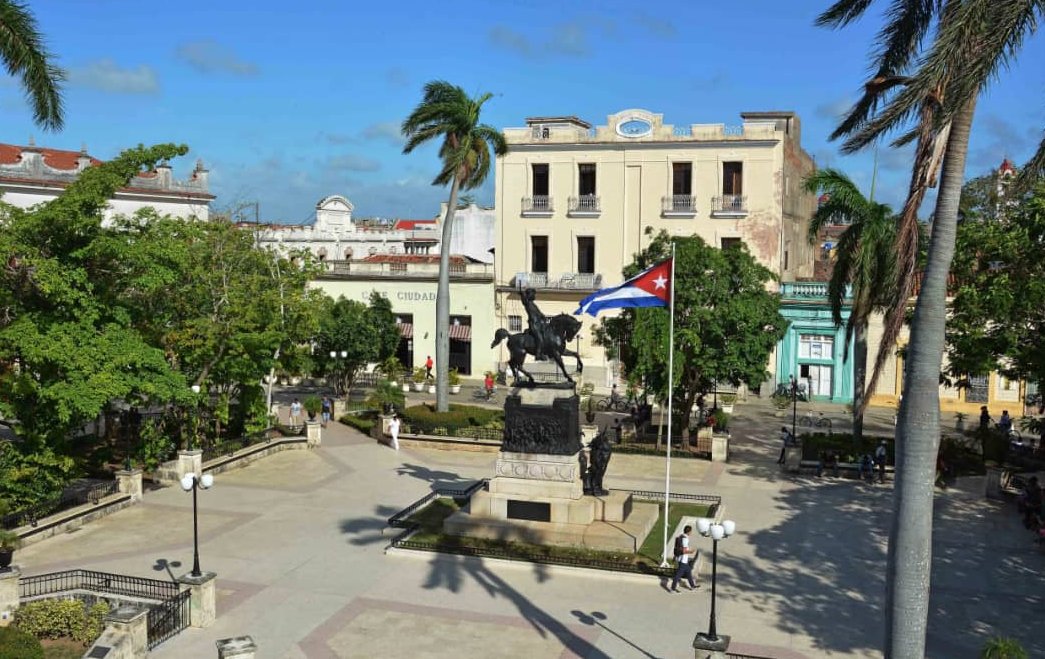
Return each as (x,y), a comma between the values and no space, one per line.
(386,394)
(391,368)
(453,377)
(155,447)
(781,402)
(459,416)
(58,618)
(1003,648)
(9,539)
(16,643)
(419,374)
(362,423)
(721,421)
(842,443)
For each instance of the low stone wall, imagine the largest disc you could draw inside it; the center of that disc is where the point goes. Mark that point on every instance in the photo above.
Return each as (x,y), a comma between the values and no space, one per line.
(74,518)
(169,473)
(446,443)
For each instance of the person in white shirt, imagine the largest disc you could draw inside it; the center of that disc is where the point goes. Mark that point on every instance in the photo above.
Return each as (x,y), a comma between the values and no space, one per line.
(684,556)
(295,413)
(393,429)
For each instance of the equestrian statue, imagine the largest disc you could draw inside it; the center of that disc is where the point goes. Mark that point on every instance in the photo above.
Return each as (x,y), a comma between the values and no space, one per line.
(545,338)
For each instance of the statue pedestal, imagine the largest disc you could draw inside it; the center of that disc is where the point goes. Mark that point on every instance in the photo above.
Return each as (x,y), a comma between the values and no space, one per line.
(537,494)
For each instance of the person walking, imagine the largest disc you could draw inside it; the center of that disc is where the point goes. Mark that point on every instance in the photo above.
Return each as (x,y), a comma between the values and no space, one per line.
(393,430)
(985,419)
(428,368)
(785,439)
(683,560)
(880,454)
(327,410)
(295,413)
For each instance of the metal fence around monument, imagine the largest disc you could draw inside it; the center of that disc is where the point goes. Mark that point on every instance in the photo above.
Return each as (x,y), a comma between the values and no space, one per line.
(401,520)
(443,430)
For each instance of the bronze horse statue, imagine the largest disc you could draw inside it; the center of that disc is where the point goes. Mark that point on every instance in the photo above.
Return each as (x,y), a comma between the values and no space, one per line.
(558,332)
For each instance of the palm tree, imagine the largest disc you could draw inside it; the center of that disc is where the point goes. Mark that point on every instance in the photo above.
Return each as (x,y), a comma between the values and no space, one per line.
(865,258)
(24,55)
(930,95)
(447,113)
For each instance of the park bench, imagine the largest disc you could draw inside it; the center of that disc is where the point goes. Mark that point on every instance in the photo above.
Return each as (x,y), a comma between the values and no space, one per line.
(850,469)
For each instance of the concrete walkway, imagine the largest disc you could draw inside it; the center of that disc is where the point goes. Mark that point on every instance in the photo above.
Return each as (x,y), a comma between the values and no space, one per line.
(298,541)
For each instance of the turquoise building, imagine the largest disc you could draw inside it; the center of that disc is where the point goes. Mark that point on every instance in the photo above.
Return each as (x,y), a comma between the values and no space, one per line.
(813,348)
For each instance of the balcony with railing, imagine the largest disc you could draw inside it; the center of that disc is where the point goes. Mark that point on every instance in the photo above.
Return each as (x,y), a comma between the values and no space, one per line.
(570,281)
(400,270)
(729,205)
(537,206)
(679,205)
(584,206)
(807,291)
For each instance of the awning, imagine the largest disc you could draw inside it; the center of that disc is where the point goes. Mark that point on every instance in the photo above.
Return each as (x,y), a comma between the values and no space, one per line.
(406,330)
(461,332)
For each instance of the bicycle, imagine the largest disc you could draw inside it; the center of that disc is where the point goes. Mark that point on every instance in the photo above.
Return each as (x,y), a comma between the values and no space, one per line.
(819,421)
(613,404)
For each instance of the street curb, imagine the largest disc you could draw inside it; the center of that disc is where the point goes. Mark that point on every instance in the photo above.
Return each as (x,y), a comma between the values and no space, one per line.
(562,570)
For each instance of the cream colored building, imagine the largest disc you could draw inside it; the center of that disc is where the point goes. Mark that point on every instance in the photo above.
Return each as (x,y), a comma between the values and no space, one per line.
(409,282)
(574,202)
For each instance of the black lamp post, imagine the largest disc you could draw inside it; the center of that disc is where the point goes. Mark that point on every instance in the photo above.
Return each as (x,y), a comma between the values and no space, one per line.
(191,482)
(716,532)
(338,370)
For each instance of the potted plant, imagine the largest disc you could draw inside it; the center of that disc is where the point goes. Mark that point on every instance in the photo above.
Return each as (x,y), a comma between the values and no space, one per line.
(419,379)
(9,542)
(727,402)
(391,369)
(313,405)
(455,381)
(959,421)
(589,415)
(385,397)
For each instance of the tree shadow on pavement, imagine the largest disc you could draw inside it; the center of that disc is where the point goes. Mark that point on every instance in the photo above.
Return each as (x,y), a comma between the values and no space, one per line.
(370,530)
(437,478)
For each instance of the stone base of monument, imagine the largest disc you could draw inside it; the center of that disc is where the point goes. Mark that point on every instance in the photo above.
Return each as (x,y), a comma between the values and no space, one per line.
(542,502)
(537,494)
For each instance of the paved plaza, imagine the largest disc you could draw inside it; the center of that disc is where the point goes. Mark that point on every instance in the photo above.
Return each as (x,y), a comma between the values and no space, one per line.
(298,541)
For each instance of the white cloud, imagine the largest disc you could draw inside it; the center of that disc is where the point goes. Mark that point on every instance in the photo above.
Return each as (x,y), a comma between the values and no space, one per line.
(569,39)
(385,130)
(352,162)
(108,76)
(208,56)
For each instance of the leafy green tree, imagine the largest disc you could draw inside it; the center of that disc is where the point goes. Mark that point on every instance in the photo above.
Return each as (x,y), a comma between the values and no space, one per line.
(726,322)
(1003,648)
(998,310)
(928,95)
(447,113)
(68,351)
(25,56)
(358,333)
(863,268)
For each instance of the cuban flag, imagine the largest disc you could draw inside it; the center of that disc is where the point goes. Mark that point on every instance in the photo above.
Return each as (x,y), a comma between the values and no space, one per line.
(649,288)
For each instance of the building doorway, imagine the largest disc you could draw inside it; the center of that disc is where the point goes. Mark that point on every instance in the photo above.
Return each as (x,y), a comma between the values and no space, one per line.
(461,344)
(817,378)
(405,350)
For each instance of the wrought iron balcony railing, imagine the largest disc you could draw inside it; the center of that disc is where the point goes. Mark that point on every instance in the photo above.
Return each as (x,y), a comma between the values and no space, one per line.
(684,204)
(537,204)
(584,205)
(729,204)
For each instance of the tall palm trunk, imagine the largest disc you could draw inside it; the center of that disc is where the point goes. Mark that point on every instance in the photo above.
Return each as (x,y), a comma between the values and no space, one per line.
(859,378)
(918,426)
(442,307)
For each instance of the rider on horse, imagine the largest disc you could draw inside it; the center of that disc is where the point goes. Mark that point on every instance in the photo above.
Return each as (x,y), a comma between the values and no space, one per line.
(538,323)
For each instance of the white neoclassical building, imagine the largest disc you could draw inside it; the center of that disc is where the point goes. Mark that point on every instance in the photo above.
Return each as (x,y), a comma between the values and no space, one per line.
(335,237)
(31,175)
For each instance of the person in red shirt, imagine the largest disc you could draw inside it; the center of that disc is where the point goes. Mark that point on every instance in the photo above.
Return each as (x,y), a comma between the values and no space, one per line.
(428,368)
(488,384)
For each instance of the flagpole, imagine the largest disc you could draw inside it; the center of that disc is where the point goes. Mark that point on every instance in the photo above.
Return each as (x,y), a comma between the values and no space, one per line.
(671,389)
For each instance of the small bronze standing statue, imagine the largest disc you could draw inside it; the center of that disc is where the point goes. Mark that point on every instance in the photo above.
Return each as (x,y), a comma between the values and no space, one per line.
(601,451)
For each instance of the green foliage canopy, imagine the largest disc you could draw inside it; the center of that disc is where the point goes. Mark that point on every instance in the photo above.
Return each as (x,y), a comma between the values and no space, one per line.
(726,321)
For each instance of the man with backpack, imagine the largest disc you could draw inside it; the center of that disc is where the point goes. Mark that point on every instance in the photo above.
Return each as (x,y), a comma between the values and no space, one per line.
(683,560)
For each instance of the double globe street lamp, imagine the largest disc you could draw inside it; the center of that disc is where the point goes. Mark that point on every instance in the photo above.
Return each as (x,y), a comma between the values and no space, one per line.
(709,529)
(190,482)
(337,376)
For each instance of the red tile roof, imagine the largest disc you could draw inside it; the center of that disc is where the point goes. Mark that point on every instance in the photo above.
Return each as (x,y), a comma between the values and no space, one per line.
(57,158)
(410,225)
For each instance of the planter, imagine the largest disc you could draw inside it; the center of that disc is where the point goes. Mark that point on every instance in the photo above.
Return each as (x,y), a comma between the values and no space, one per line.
(295,381)
(284,381)
(454,389)
(6,554)
(727,408)
(959,425)
(431,388)
(419,386)
(406,388)
(311,416)
(269,379)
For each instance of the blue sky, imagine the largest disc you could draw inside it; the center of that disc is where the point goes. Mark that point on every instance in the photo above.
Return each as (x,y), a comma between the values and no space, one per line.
(289,103)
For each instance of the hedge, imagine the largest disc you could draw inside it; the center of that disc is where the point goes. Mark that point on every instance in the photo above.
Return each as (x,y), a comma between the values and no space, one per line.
(62,618)
(16,643)
(459,416)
